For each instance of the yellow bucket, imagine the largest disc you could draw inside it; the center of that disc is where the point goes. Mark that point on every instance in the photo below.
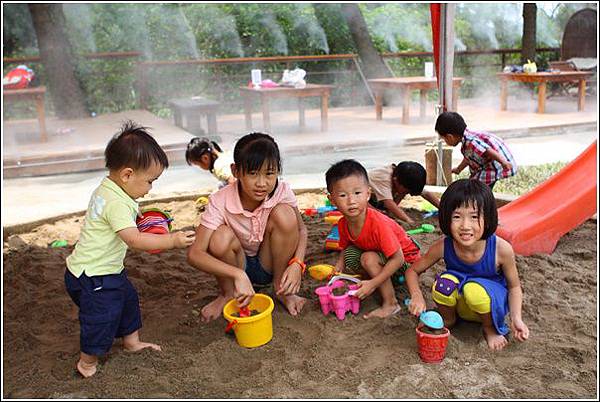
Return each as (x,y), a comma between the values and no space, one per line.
(253,331)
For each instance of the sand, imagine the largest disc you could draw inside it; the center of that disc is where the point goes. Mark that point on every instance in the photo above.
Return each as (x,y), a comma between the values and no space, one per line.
(310,356)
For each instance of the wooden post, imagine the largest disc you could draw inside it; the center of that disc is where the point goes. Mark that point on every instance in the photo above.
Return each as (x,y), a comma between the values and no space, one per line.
(581,93)
(264,100)
(378,104)
(542,97)
(503,93)
(324,110)
(431,164)
(405,105)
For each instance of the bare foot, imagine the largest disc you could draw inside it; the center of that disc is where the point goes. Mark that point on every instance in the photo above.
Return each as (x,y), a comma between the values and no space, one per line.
(137,346)
(494,340)
(383,311)
(86,369)
(214,309)
(293,303)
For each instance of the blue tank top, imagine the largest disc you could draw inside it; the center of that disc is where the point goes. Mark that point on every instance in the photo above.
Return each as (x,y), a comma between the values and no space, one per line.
(484,273)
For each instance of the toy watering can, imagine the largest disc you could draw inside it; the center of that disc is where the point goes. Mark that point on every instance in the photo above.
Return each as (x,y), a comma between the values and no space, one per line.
(425,228)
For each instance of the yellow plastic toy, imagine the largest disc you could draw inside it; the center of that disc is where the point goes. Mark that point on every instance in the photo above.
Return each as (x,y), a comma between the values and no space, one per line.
(252,331)
(321,271)
(202,201)
(325,271)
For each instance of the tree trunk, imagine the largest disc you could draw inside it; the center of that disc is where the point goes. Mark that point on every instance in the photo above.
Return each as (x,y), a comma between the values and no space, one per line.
(529,27)
(372,62)
(55,52)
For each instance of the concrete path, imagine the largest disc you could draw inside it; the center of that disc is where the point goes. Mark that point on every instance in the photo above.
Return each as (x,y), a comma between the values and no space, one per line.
(30,199)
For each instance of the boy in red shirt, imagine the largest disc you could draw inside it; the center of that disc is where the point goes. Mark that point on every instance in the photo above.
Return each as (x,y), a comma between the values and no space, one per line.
(372,241)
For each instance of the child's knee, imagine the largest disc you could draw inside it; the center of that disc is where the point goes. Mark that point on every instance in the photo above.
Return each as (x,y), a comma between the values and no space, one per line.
(283,217)
(222,241)
(476,298)
(445,290)
(369,259)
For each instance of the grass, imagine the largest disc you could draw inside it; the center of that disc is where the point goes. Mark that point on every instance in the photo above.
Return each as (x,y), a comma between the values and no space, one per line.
(527,178)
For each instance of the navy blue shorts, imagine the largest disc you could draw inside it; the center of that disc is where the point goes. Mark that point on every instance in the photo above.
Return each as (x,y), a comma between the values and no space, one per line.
(109,308)
(256,272)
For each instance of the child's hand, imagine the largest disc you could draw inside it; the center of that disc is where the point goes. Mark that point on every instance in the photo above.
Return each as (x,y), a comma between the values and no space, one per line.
(365,289)
(183,239)
(455,170)
(417,305)
(506,165)
(520,330)
(243,291)
(290,280)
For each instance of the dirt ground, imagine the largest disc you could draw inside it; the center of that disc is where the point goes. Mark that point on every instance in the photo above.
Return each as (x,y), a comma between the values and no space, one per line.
(310,356)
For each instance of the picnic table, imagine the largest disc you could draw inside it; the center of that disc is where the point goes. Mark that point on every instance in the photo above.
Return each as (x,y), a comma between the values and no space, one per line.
(542,78)
(406,85)
(37,95)
(266,94)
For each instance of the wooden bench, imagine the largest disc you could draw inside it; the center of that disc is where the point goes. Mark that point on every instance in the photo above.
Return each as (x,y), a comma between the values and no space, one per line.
(192,109)
(37,95)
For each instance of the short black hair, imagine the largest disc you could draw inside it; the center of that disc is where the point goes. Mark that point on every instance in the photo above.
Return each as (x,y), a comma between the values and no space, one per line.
(253,149)
(133,147)
(198,147)
(450,123)
(343,169)
(465,192)
(411,175)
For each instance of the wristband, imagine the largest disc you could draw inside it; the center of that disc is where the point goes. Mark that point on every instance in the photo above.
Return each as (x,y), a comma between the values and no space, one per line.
(302,264)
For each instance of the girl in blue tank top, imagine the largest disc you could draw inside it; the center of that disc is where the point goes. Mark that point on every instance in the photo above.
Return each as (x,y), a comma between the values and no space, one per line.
(481,282)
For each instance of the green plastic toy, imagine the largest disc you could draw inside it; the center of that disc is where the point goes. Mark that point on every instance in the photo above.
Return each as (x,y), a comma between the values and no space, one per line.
(425,228)
(58,243)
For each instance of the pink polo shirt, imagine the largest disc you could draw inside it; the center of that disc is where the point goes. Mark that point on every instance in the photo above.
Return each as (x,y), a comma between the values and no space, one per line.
(225,208)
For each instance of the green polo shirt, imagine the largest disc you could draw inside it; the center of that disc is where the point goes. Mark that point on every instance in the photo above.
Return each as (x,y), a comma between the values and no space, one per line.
(100,250)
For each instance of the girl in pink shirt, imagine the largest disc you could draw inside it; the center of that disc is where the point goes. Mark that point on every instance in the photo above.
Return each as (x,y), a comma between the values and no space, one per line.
(252,231)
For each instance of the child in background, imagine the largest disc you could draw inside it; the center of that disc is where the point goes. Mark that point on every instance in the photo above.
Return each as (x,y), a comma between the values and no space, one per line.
(481,282)
(487,156)
(208,155)
(95,277)
(391,183)
(372,241)
(252,231)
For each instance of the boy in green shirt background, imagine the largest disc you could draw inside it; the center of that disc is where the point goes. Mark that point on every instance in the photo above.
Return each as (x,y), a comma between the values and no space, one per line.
(95,277)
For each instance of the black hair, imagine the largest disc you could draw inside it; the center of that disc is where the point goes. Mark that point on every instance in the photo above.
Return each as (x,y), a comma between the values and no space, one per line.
(133,147)
(343,169)
(450,123)
(465,192)
(200,146)
(411,175)
(254,149)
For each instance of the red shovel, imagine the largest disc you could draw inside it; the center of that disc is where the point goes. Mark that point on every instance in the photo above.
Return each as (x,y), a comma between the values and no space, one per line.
(244,312)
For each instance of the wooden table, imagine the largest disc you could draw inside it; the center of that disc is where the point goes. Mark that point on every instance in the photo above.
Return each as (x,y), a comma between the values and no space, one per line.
(36,94)
(406,85)
(542,78)
(266,94)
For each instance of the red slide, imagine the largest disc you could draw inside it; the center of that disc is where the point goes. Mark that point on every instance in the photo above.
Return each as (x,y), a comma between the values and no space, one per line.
(534,222)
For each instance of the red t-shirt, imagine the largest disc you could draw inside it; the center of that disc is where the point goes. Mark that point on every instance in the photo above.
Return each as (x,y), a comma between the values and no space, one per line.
(380,233)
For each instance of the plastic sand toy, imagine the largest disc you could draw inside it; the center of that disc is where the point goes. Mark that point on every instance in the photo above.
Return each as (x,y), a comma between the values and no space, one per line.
(339,304)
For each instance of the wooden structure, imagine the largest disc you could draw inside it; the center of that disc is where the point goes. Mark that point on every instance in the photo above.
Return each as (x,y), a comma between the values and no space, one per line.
(37,95)
(580,36)
(266,94)
(192,109)
(542,78)
(406,85)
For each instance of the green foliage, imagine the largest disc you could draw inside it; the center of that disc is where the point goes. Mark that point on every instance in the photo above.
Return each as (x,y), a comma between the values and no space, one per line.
(170,31)
(526,179)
